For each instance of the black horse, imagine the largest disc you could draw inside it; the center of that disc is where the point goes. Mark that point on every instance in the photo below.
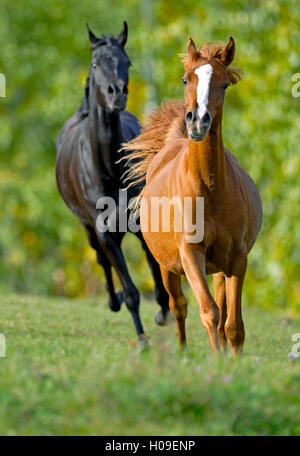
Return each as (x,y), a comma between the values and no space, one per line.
(87,168)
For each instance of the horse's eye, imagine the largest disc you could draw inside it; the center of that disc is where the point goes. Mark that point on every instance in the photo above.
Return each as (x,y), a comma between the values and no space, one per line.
(225,86)
(94,65)
(184,81)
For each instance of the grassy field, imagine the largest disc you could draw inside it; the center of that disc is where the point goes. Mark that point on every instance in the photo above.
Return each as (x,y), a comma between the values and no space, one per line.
(73,368)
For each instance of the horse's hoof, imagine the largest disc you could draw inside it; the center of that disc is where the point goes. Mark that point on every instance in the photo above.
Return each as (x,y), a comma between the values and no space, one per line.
(163,318)
(143,342)
(116,305)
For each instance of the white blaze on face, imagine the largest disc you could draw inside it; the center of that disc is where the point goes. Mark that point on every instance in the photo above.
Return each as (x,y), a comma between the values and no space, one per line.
(204,73)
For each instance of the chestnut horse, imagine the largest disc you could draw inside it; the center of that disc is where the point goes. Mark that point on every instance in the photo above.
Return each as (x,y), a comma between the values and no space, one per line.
(183,155)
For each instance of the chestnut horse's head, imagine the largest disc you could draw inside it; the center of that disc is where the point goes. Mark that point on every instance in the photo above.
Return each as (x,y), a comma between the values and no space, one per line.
(207,76)
(110,69)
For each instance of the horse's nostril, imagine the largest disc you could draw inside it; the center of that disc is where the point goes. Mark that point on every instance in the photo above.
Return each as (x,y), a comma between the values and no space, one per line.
(111,90)
(125,89)
(189,117)
(206,118)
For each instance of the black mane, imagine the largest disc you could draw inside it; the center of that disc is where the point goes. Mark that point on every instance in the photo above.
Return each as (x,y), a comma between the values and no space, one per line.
(109,39)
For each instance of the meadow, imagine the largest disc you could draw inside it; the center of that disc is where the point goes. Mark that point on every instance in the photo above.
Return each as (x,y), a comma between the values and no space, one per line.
(73,368)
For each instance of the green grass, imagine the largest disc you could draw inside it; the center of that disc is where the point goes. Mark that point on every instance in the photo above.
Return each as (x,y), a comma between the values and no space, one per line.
(72,368)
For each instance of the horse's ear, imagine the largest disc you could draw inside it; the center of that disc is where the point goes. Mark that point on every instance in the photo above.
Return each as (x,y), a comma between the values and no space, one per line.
(227,54)
(92,37)
(192,50)
(122,38)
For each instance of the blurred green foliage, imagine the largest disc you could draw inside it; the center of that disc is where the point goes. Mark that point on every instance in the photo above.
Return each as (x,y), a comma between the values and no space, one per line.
(45,57)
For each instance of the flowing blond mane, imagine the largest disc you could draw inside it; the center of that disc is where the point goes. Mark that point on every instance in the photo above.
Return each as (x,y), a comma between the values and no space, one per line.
(163,125)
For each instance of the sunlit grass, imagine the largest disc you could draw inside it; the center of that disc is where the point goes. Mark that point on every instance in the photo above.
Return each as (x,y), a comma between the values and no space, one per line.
(73,368)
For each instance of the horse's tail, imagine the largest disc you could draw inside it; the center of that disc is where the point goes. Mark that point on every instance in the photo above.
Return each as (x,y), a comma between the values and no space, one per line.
(166,123)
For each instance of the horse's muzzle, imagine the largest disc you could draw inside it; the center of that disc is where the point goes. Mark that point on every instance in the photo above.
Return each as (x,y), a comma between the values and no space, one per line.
(197,125)
(118,103)
(116,96)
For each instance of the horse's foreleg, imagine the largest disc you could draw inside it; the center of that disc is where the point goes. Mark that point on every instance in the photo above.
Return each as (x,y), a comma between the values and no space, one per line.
(115,299)
(193,262)
(220,298)
(131,295)
(234,326)
(177,302)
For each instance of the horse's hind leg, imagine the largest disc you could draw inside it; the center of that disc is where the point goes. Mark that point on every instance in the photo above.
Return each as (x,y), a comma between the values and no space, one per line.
(163,316)
(177,302)
(220,298)
(115,299)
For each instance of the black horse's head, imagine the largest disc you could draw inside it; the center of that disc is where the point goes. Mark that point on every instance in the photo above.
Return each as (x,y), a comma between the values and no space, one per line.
(109,70)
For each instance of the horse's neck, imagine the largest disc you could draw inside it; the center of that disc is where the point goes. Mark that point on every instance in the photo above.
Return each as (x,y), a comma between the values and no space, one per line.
(207,160)
(105,135)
